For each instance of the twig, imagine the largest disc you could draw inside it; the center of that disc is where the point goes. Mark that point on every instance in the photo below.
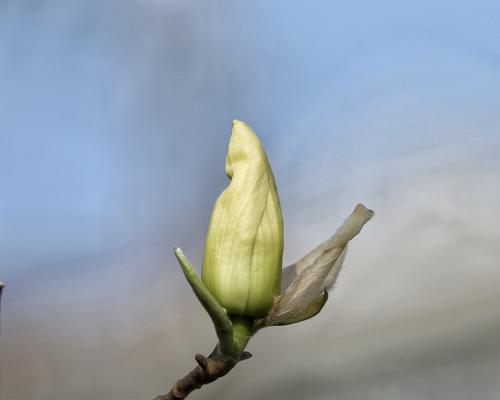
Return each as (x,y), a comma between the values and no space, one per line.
(1,289)
(208,370)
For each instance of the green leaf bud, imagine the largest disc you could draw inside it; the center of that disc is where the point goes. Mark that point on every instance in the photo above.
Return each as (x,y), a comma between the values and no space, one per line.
(244,244)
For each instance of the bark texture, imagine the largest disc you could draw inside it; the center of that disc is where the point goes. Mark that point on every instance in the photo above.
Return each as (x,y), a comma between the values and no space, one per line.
(208,370)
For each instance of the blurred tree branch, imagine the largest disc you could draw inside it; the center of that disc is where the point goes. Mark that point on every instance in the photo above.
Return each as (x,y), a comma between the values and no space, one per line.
(1,289)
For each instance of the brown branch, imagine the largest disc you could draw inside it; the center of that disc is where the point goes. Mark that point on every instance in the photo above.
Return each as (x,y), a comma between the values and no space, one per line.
(1,289)
(208,370)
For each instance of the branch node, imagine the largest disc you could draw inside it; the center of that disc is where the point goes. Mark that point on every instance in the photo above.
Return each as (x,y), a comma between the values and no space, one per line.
(245,355)
(202,362)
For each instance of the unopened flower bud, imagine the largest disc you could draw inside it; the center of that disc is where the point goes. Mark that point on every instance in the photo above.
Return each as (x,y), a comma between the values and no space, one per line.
(244,244)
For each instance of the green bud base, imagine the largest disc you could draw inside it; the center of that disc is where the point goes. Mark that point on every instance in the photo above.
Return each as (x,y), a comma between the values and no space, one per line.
(242,331)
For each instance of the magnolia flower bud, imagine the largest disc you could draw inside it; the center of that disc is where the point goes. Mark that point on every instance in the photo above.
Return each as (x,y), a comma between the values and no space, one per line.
(244,243)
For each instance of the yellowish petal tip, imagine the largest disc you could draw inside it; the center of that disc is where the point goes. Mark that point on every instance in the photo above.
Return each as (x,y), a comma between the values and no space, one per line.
(240,124)
(242,129)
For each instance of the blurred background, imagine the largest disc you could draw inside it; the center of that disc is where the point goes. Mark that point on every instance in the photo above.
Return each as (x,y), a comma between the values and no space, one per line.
(114,122)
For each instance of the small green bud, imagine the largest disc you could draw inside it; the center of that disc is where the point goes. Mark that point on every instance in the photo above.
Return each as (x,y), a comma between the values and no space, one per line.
(244,243)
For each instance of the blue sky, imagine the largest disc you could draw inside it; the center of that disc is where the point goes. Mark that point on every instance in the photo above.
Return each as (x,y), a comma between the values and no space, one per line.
(94,111)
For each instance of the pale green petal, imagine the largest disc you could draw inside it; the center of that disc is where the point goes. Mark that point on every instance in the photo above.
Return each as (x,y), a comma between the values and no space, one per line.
(222,323)
(244,243)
